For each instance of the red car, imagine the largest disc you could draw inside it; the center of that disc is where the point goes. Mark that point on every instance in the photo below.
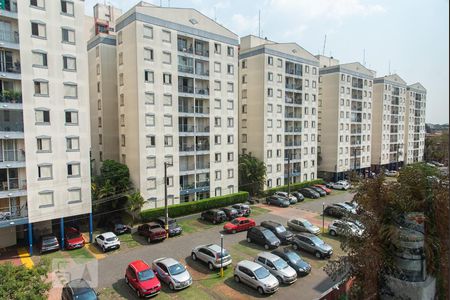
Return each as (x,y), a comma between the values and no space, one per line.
(141,278)
(239,224)
(73,238)
(326,190)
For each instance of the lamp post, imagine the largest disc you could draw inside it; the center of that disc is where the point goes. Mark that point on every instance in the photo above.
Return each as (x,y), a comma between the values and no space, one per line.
(323,217)
(221,255)
(166,207)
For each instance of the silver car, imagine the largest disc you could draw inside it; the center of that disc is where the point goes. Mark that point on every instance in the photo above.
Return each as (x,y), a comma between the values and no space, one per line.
(277,266)
(344,228)
(292,199)
(256,276)
(172,273)
(303,225)
(212,255)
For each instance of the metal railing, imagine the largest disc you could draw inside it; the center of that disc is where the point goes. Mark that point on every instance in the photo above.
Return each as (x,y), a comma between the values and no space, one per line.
(11,127)
(187,186)
(186,148)
(9,215)
(9,36)
(185,47)
(186,69)
(202,72)
(202,184)
(203,166)
(12,155)
(202,91)
(186,128)
(186,89)
(293,86)
(10,67)
(13,184)
(202,52)
(202,147)
(293,71)
(186,109)
(293,129)
(202,109)
(11,97)
(184,168)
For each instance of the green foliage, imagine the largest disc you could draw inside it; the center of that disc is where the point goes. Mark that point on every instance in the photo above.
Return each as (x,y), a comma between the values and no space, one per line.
(294,187)
(117,174)
(135,202)
(19,282)
(436,148)
(252,174)
(188,208)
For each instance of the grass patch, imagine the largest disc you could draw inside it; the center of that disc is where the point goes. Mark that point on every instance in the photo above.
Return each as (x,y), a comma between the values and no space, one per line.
(327,218)
(109,294)
(257,211)
(247,251)
(195,291)
(215,278)
(193,225)
(127,239)
(79,255)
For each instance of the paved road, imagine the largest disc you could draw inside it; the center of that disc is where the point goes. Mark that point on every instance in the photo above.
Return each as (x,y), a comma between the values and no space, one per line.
(316,205)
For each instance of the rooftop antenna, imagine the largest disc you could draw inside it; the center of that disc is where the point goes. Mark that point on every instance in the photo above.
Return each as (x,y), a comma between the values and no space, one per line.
(160,3)
(324,45)
(215,14)
(259,23)
(169,3)
(364,57)
(389,67)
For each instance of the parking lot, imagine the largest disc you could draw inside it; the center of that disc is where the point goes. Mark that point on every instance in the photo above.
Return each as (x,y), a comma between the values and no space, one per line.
(208,284)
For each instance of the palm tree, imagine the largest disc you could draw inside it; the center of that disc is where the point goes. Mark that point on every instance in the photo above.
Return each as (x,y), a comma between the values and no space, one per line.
(134,204)
(252,174)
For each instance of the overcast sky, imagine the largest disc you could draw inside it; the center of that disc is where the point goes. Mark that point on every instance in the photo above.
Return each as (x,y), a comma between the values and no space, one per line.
(410,36)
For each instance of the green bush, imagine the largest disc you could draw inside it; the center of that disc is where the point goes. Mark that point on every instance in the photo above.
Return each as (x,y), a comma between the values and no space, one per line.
(188,208)
(294,187)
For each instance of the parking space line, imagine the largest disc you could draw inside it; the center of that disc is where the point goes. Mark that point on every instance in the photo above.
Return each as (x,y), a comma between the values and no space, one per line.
(25,258)
(94,250)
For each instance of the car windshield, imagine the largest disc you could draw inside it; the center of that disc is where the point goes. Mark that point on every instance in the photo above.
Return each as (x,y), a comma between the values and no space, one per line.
(235,222)
(293,257)
(280,264)
(88,294)
(176,269)
(155,227)
(111,239)
(73,235)
(146,275)
(316,240)
(223,254)
(280,229)
(306,223)
(269,235)
(262,273)
(119,226)
(49,241)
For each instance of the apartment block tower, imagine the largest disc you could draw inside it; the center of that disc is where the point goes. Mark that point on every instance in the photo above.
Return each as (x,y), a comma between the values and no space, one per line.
(389,108)
(345,118)
(177,88)
(416,96)
(44,118)
(278,108)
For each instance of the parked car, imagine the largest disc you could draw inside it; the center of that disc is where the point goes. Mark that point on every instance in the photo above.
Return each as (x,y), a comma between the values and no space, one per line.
(344,228)
(307,192)
(392,173)
(277,267)
(299,196)
(320,191)
(214,216)
(285,236)
(295,261)
(152,231)
(311,243)
(303,225)
(48,243)
(107,241)
(292,199)
(73,238)
(118,227)
(141,278)
(335,211)
(263,236)
(239,224)
(323,187)
(353,204)
(174,228)
(255,276)
(212,255)
(244,210)
(277,201)
(78,289)
(172,273)
(230,212)
(340,185)
(349,208)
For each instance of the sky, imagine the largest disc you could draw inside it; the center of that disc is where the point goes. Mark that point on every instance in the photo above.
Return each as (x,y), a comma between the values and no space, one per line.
(407,37)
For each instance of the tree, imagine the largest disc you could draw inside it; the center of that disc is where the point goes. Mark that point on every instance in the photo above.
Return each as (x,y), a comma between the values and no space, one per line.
(252,174)
(383,204)
(135,202)
(116,173)
(436,148)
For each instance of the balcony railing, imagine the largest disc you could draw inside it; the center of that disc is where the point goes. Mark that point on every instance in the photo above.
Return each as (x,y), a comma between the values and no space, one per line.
(202,72)
(202,109)
(202,52)
(186,89)
(186,128)
(187,186)
(202,147)
(186,109)
(294,71)
(11,127)
(186,148)
(11,97)
(9,36)
(187,168)
(183,46)
(202,91)
(13,185)
(10,67)
(19,212)
(293,129)
(292,115)
(202,129)
(292,86)
(290,100)
(203,184)
(12,155)
(203,166)
(186,69)
(292,144)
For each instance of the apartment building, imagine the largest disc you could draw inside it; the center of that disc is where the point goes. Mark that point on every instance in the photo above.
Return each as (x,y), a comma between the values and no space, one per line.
(278,108)
(44,118)
(104,100)
(416,96)
(388,121)
(345,118)
(177,88)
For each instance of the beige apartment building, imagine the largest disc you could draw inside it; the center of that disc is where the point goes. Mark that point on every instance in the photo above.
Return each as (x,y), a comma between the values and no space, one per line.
(177,89)
(416,96)
(278,108)
(44,118)
(345,118)
(389,108)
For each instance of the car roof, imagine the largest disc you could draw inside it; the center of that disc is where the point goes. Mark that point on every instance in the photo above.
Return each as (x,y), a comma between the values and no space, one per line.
(260,228)
(164,219)
(300,219)
(213,247)
(153,223)
(252,266)
(241,218)
(48,237)
(268,255)
(271,223)
(139,265)
(108,234)
(167,261)
(79,286)
(306,234)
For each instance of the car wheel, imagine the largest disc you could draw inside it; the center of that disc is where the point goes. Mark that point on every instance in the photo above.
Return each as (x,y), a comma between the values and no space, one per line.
(138,293)
(126,280)
(249,240)
(237,279)
(171,286)
(280,280)
(210,266)
(260,290)
(266,247)
(318,255)
(194,257)
(149,240)
(295,246)
(103,248)
(332,232)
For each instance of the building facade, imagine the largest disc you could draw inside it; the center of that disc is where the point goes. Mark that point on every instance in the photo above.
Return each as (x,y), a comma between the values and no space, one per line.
(177,88)
(389,108)
(45,128)
(278,108)
(416,97)
(345,118)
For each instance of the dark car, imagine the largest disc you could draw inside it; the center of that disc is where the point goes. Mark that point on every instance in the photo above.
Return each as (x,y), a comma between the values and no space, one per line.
(263,236)
(244,210)
(78,289)
(118,227)
(285,236)
(320,191)
(174,228)
(278,201)
(295,261)
(335,211)
(230,212)
(307,192)
(214,216)
(152,231)
(48,243)
(313,244)
(299,196)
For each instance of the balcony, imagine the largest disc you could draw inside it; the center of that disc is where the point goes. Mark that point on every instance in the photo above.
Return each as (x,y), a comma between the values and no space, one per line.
(10,70)
(293,129)
(12,187)
(10,97)
(12,159)
(292,115)
(293,69)
(202,91)
(293,101)
(185,45)
(186,128)
(186,69)
(201,48)
(186,89)
(187,109)
(357,83)
(9,10)
(14,215)
(203,184)
(9,39)
(357,95)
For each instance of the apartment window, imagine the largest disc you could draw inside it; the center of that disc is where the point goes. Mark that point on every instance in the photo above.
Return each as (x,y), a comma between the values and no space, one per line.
(98,87)
(244,79)
(217,157)
(167,120)
(122,100)
(167,58)
(121,79)
(244,94)
(39,30)
(217,48)
(98,69)
(45,172)
(314,84)
(151,183)
(169,159)
(314,71)
(44,144)
(71,117)
(279,78)
(269,138)
(123,141)
(40,88)
(217,139)
(167,78)
(166,36)
(40,59)
(230,173)
(217,67)
(148,54)
(244,64)
(217,103)
(270,76)
(278,138)
(244,138)
(70,91)
(270,60)
(167,100)
(269,108)
(68,35)
(230,87)
(218,175)
(278,153)
(149,76)
(230,51)
(306,83)
(150,141)
(67,7)
(217,85)
(42,116)
(230,122)
(306,69)
(148,32)
(230,156)
(97,51)
(73,143)
(218,192)
(278,167)
(46,199)
(230,69)
(270,92)
(230,139)
(151,162)
(73,169)
(269,169)
(244,108)
(217,122)
(168,141)
(149,120)
(269,153)
(122,120)
(119,38)
(149,98)
(269,123)
(37,4)
(69,63)
(230,104)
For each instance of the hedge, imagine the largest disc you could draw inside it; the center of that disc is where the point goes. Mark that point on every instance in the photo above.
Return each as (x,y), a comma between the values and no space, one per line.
(294,187)
(189,208)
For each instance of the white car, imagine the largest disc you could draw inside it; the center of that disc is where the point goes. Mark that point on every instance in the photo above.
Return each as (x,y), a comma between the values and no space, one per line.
(292,199)
(340,185)
(107,241)
(392,173)
(345,228)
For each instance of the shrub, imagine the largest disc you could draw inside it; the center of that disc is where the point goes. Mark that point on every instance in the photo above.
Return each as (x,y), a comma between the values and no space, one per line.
(189,208)
(294,187)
